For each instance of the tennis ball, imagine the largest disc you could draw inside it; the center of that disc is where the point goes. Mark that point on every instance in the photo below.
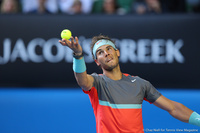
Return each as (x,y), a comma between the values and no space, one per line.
(66,34)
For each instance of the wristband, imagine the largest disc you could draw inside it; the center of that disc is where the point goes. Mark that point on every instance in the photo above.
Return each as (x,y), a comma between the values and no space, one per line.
(194,119)
(77,56)
(79,65)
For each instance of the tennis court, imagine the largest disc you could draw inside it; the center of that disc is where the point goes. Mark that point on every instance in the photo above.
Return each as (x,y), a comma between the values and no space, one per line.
(55,110)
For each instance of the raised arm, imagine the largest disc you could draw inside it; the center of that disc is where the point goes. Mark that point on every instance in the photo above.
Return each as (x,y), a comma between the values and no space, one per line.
(178,110)
(84,80)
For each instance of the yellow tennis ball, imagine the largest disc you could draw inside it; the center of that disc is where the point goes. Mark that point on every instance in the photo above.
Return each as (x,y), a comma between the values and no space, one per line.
(66,34)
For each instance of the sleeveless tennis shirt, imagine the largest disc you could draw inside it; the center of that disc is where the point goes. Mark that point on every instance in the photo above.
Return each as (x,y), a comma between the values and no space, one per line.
(117,105)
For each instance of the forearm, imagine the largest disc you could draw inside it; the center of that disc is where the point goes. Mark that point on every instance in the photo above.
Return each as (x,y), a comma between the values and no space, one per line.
(181,112)
(83,79)
(185,114)
(178,110)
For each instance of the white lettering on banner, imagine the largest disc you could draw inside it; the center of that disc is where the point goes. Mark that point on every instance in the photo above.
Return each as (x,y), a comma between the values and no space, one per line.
(173,51)
(32,50)
(6,51)
(86,48)
(158,51)
(68,54)
(19,51)
(127,50)
(142,51)
(47,51)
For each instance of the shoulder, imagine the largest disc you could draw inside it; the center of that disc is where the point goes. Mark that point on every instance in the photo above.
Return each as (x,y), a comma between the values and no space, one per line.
(95,75)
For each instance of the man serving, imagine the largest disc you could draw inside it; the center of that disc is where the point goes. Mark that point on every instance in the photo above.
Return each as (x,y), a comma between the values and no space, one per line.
(117,97)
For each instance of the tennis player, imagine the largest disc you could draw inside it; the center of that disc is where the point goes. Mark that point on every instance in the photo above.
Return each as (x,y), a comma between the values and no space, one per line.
(117,97)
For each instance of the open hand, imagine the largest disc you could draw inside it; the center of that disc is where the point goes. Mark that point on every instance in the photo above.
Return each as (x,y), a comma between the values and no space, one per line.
(73,44)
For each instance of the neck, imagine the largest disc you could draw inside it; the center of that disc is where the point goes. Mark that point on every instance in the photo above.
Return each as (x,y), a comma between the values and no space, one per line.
(114,74)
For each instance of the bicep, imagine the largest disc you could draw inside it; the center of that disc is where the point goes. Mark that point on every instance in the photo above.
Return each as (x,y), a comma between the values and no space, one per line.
(90,82)
(164,103)
(84,80)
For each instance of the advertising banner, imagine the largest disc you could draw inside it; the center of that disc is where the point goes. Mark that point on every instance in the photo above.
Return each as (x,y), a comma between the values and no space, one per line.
(161,49)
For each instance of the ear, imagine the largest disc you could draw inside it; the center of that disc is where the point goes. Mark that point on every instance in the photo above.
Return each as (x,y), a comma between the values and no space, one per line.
(97,62)
(118,53)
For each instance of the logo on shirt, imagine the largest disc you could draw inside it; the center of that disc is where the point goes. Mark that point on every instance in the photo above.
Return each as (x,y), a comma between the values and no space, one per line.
(133,80)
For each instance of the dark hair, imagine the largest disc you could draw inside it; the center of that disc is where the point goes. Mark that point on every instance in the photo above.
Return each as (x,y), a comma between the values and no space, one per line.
(97,38)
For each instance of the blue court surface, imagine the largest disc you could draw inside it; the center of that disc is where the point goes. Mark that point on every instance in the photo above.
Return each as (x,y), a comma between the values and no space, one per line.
(43,110)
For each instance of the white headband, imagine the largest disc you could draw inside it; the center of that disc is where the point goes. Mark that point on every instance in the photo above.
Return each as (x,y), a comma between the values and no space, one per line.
(101,43)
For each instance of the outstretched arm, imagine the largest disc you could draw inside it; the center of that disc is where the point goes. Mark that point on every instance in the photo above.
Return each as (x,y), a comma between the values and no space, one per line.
(84,80)
(177,110)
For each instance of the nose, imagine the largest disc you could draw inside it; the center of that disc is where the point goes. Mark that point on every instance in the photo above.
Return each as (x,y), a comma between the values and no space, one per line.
(106,53)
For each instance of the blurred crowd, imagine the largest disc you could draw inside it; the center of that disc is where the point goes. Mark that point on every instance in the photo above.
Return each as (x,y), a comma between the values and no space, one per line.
(120,7)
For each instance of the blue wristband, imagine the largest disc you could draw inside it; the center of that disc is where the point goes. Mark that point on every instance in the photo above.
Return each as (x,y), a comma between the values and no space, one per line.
(79,65)
(195,119)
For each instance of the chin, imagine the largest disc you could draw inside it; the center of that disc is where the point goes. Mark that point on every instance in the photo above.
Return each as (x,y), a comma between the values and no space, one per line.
(110,67)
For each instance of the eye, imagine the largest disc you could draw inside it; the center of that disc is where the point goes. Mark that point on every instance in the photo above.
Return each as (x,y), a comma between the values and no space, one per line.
(100,52)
